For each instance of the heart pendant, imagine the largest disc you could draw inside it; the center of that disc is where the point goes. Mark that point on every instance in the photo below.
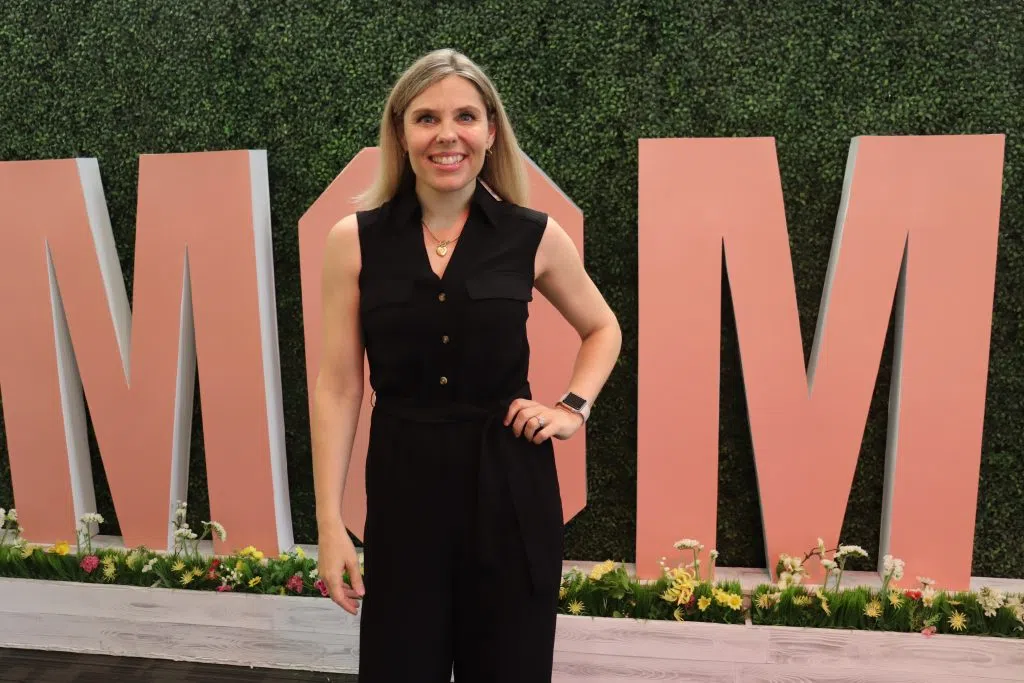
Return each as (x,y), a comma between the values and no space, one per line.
(442,249)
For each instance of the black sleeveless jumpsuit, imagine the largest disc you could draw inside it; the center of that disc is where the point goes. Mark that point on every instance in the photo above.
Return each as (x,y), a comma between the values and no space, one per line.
(463,538)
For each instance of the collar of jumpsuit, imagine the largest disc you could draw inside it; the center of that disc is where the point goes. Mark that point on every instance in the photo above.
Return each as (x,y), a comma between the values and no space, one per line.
(405,205)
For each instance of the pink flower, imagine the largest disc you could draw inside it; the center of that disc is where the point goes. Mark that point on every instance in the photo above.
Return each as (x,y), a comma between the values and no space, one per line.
(928,631)
(294,584)
(89,563)
(223,588)
(322,587)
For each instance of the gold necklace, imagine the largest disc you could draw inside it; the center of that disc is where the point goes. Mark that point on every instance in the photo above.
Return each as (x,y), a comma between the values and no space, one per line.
(442,245)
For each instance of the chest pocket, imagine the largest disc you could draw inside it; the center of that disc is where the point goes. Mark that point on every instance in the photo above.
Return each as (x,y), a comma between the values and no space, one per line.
(499,285)
(496,312)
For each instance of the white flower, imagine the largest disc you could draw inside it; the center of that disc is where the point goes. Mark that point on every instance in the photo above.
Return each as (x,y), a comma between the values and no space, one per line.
(185,533)
(845,550)
(928,596)
(893,567)
(714,555)
(829,565)
(687,544)
(179,513)
(91,518)
(148,567)
(821,546)
(314,572)
(1014,603)
(12,515)
(785,580)
(991,599)
(218,529)
(925,581)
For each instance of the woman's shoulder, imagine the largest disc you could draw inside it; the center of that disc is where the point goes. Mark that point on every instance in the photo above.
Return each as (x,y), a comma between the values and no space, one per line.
(512,214)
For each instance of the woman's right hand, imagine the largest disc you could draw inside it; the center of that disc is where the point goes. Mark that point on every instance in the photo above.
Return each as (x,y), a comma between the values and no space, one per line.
(336,555)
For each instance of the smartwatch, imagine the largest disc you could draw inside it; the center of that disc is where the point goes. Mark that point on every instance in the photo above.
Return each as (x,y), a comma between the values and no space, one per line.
(576,404)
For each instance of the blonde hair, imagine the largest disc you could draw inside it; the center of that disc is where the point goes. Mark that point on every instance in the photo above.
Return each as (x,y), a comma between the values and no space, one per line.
(503,172)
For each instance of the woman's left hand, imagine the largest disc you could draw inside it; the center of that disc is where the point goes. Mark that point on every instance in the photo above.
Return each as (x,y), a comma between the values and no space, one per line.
(537,422)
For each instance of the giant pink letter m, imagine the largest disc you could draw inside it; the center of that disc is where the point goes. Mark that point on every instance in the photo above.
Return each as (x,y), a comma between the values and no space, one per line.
(917,228)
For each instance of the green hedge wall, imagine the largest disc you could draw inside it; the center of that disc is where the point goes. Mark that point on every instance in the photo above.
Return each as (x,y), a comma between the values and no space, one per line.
(305,80)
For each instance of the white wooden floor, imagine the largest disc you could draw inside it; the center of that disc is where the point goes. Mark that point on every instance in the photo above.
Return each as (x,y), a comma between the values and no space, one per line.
(314,634)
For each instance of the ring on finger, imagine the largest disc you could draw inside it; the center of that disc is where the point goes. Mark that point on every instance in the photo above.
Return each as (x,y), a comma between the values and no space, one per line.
(540,422)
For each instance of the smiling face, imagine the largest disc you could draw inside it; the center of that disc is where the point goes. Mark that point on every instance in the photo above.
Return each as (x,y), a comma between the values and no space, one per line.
(446,131)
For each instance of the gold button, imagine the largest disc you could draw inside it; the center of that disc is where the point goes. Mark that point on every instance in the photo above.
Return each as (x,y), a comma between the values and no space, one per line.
(441,297)
(444,380)
(445,339)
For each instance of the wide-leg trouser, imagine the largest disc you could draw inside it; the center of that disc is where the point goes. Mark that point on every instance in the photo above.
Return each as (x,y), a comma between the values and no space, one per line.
(436,601)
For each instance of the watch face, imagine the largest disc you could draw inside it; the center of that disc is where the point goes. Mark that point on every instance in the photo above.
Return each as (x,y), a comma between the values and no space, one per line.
(574,401)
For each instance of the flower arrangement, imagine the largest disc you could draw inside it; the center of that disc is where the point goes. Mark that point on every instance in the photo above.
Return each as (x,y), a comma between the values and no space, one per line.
(680,593)
(921,609)
(683,592)
(246,570)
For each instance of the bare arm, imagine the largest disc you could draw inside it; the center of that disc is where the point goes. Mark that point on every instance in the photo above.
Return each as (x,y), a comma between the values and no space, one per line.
(563,281)
(337,398)
(561,278)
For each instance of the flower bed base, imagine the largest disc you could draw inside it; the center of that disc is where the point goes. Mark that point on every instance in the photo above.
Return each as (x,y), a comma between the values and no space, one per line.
(291,632)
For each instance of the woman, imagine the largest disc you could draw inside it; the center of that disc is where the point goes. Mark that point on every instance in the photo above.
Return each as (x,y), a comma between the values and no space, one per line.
(463,537)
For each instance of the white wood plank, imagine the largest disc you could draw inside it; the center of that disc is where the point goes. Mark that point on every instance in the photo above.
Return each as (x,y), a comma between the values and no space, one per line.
(864,673)
(661,639)
(965,656)
(240,646)
(164,605)
(314,634)
(570,667)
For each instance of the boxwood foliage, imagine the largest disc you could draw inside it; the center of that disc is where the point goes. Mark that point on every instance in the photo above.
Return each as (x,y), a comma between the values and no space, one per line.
(306,79)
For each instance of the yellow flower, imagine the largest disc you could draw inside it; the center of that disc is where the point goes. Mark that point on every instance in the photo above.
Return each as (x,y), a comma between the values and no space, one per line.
(681,590)
(801,600)
(894,599)
(873,609)
(735,601)
(299,553)
(178,566)
(251,552)
(600,570)
(764,601)
(186,578)
(239,566)
(132,558)
(575,607)
(704,603)
(254,581)
(109,571)
(61,548)
(677,614)
(957,621)
(27,550)
(562,592)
